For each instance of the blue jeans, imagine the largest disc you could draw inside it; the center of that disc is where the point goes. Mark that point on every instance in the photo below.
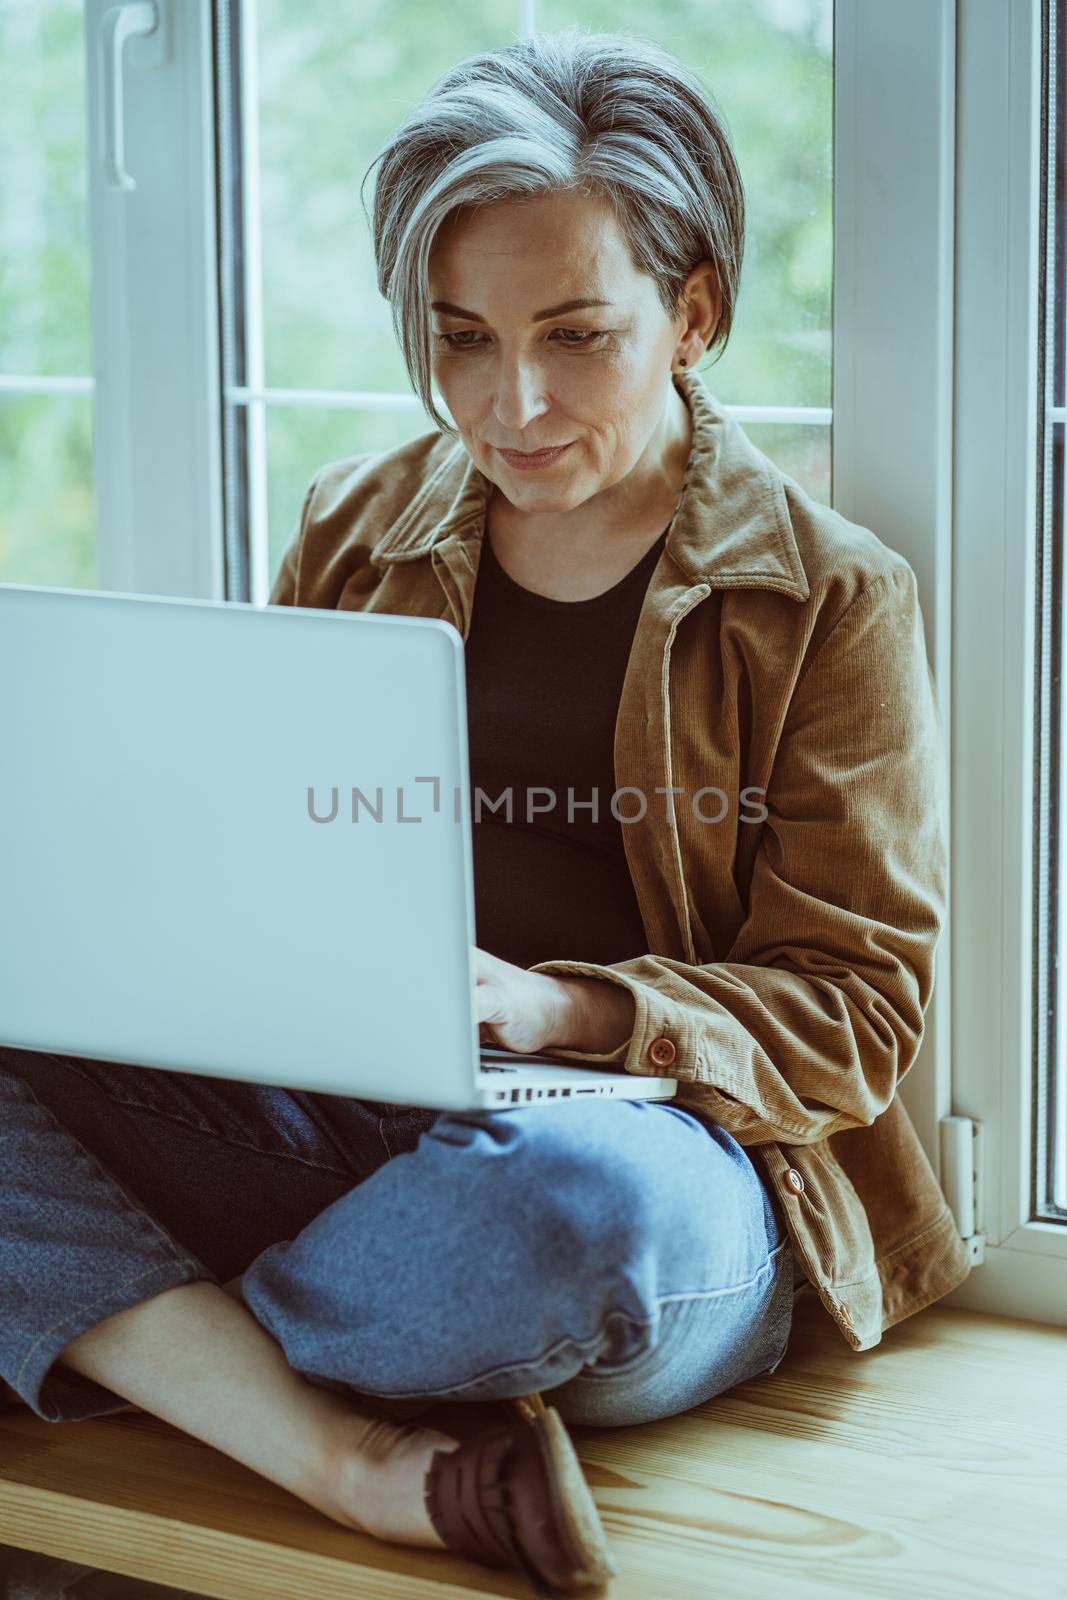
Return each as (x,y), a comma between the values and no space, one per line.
(625,1255)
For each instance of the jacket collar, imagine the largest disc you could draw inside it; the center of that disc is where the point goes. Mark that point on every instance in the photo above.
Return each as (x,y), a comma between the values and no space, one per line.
(732,528)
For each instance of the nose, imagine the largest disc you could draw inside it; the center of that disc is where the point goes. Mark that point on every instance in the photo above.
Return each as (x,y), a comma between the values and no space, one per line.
(520,396)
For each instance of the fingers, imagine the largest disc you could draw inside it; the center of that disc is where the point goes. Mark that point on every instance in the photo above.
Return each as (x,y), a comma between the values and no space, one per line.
(486,964)
(486,1004)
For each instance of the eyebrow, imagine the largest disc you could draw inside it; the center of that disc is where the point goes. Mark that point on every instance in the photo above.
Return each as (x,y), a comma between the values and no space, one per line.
(538,316)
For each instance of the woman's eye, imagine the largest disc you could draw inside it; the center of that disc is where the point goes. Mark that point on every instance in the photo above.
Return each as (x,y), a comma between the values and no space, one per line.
(454,341)
(576,338)
(583,336)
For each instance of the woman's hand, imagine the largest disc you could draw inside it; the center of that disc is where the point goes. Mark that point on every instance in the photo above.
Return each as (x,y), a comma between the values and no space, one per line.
(517,1009)
(533,1011)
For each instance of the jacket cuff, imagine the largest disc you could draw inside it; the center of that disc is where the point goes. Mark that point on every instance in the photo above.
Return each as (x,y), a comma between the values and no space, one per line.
(658,1022)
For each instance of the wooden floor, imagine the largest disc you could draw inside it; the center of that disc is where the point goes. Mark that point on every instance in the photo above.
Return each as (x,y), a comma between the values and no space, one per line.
(932,1466)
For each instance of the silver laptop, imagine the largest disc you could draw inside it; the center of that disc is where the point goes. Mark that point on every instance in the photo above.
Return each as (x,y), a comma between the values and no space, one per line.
(236,840)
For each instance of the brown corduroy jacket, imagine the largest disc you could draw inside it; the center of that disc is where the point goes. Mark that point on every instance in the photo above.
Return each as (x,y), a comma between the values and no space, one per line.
(792,908)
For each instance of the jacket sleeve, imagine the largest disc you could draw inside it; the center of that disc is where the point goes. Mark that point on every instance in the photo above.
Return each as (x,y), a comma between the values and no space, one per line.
(816,1013)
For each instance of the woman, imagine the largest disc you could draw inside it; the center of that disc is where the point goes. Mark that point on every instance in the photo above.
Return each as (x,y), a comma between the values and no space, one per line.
(651,611)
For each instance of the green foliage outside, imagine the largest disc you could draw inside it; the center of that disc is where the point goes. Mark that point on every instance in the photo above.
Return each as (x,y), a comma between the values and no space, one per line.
(334,79)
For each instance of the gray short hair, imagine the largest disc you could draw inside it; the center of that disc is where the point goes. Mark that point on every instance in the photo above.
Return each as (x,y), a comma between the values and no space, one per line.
(613,115)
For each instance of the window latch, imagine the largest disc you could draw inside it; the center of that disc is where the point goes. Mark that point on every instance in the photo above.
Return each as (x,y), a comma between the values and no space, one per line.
(121,23)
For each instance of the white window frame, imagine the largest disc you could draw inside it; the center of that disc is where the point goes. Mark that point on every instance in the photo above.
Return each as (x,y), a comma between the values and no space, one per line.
(894,112)
(933,449)
(156,446)
(998,207)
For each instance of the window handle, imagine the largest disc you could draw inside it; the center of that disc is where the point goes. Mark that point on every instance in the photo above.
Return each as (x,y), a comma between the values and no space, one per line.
(122,22)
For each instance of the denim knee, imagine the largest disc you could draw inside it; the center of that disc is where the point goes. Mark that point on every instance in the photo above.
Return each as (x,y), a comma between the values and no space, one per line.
(511,1248)
(554,1173)
(529,1212)
(701,1349)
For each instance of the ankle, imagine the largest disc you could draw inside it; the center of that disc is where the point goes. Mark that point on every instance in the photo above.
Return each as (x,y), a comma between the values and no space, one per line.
(373,1477)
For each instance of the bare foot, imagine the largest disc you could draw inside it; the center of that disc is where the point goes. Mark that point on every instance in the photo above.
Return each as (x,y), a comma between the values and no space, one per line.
(376,1477)
(375,1472)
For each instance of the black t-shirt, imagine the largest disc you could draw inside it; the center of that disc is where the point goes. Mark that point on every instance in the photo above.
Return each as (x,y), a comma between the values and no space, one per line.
(543,683)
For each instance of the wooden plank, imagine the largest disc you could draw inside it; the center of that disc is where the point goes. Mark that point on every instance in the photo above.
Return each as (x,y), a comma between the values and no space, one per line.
(133,1495)
(934,1465)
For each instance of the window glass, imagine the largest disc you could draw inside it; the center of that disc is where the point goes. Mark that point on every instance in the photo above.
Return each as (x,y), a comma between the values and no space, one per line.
(47,519)
(769,68)
(1050,1123)
(326,84)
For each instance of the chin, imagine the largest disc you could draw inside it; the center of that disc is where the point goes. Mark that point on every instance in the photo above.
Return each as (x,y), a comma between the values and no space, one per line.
(556,507)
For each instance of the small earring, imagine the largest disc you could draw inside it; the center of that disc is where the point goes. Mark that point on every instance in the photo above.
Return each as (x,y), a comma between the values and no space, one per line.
(682,362)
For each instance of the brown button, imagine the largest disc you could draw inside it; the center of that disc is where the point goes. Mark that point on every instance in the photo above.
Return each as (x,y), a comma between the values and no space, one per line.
(795,1180)
(662,1051)
(843,1312)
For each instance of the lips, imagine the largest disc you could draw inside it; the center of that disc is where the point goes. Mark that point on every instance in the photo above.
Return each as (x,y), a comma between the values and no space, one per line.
(534,458)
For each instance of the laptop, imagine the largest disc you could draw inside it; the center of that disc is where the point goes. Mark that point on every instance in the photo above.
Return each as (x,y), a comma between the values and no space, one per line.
(236,840)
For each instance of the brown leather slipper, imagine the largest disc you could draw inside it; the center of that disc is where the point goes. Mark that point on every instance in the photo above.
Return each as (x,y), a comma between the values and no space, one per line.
(516,1496)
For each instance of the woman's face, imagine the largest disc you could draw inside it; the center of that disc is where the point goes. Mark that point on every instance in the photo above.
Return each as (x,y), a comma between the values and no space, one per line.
(596,378)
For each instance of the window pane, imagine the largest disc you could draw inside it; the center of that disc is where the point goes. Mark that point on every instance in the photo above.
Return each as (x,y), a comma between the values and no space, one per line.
(46,498)
(798,449)
(768,65)
(1050,1123)
(47,524)
(324,86)
(44,257)
(301,439)
(334,81)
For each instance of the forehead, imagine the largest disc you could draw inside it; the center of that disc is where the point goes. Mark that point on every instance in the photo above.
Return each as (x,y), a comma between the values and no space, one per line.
(554,247)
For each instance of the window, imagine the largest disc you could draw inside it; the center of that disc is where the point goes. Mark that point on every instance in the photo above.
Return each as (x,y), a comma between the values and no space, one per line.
(312,368)
(47,518)
(1050,1097)
(904,166)
(1008,1009)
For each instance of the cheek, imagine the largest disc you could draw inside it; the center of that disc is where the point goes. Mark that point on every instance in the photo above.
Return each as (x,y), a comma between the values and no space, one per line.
(460,387)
